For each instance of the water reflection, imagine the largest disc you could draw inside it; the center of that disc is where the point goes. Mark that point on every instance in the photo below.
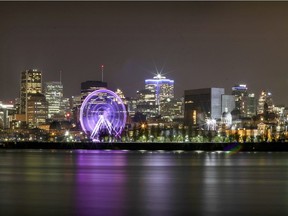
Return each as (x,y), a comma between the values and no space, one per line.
(34,183)
(142,183)
(100,183)
(245,183)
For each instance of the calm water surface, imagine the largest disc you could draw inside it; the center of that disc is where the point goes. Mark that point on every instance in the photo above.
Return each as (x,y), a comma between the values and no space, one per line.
(83,182)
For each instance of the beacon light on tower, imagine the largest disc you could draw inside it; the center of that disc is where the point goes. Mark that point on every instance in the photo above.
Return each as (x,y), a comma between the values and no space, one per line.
(102,113)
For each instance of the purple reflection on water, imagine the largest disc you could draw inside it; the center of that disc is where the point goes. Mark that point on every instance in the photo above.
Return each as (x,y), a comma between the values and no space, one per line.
(124,183)
(100,183)
(142,183)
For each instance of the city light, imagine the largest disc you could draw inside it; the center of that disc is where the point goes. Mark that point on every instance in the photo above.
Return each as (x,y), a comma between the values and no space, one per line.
(239,117)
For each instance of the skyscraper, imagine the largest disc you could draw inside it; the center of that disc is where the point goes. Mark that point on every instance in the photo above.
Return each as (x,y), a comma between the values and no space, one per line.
(163,88)
(31,83)
(241,93)
(251,105)
(202,104)
(245,102)
(54,97)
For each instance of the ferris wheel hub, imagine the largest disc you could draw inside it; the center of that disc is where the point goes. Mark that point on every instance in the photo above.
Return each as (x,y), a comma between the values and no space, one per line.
(106,117)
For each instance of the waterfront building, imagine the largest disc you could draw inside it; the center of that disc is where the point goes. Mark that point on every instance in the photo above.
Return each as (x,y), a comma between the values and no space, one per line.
(30,83)
(202,104)
(162,88)
(54,97)
(89,86)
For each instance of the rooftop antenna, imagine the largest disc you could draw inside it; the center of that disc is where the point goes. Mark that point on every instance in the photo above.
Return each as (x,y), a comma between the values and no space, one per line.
(60,76)
(102,70)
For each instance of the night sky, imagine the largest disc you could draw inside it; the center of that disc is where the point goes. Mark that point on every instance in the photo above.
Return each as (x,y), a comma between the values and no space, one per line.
(198,44)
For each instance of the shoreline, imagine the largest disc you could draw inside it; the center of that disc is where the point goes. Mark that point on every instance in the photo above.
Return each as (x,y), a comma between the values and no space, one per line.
(265,147)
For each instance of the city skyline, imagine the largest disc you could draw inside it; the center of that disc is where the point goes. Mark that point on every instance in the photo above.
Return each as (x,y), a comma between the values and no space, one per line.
(197,44)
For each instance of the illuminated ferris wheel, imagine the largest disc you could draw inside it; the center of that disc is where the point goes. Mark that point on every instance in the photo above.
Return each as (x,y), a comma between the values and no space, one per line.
(102,113)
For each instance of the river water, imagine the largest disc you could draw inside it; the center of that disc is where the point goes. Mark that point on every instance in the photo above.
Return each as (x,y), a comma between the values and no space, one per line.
(86,182)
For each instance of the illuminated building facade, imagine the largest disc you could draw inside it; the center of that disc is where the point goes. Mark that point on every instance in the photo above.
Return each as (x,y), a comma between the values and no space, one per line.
(146,102)
(54,97)
(240,93)
(66,105)
(5,114)
(3,118)
(172,109)
(76,101)
(202,104)
(31,83)
(245,102)
(88,87)
(37,109)
(120,93)
(265,103)
(132,106)
(162,88)
(251,105)
(226,119)
(75,105)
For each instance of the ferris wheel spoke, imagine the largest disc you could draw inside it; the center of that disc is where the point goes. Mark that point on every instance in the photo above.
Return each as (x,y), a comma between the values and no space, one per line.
(103,110)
